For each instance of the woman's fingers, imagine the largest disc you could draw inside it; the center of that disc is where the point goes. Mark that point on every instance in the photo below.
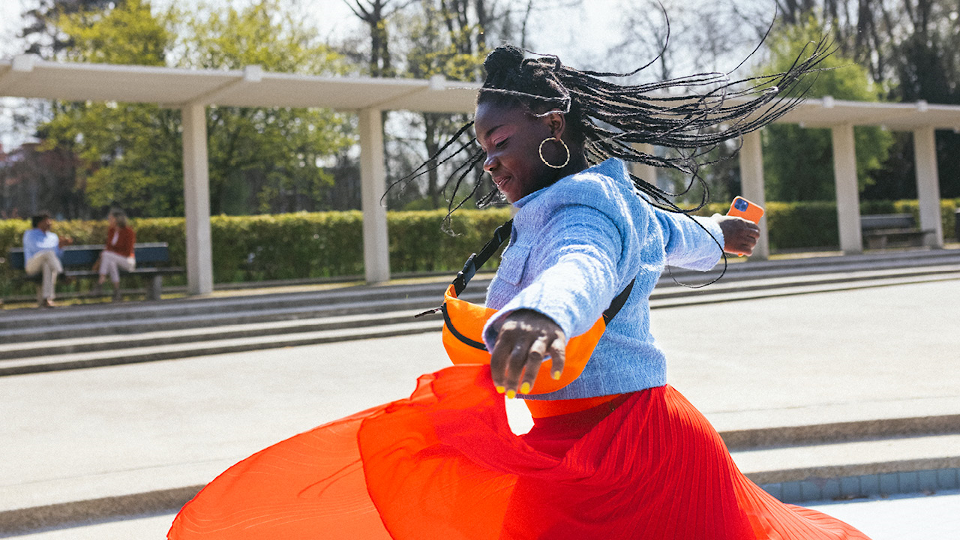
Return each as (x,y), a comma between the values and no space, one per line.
(524,341)
(739,235)
(531,367)
(558,355)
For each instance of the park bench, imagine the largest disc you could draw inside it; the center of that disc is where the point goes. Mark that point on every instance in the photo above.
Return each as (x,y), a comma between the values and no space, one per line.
(78,263)
(881,230)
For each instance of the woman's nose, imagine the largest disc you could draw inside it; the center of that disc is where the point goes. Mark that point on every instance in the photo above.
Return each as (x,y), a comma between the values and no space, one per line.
(489,163)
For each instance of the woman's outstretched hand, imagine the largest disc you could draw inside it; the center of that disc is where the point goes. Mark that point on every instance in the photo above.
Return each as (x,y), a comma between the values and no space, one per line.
(739,235)
(526,338)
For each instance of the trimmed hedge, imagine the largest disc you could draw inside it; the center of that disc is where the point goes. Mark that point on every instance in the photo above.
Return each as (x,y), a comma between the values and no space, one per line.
(330,244)
(289,246)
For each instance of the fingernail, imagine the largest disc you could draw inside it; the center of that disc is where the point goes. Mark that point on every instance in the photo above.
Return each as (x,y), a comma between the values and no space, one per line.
(511,394)
(525,388)
(556,375)
(500,389)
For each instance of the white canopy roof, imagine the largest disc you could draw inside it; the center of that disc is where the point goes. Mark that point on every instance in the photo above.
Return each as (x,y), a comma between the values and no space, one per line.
(29,76)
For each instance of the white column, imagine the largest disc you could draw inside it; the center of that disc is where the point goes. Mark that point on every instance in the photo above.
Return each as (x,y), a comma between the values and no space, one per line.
(752,185)
(642,170)
(928,184)
(196,200)
(848,193)
(376,247)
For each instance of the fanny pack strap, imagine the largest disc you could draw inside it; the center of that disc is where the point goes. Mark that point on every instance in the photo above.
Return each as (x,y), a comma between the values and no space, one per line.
(476,260)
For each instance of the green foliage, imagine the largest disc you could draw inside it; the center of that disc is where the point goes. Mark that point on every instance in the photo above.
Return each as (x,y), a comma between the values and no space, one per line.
(129,34)
(798,162)
(330,244)
(129,154)
(811,224)
(260,160)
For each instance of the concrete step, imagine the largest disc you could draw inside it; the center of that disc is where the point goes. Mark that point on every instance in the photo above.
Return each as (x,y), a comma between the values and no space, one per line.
(855,469)
(343,299)
(93,345)
(428,289)
(263,327)
(214,322)
(109,321)
(153,353)
(774,287)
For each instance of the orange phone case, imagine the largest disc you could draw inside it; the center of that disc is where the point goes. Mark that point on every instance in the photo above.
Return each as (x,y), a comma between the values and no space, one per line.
(741,207)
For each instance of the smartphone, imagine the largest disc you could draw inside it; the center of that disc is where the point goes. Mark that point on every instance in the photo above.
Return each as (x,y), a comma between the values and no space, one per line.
(745,209)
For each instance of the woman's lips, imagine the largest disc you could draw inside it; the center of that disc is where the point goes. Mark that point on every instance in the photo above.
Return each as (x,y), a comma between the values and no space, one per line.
(501,180)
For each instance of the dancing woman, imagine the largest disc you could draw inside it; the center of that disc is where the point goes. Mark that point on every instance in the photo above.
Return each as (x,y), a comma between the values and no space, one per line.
(614,451)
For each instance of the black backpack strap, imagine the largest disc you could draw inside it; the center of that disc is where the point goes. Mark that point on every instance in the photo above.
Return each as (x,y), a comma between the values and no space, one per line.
(476,260)
(618,302)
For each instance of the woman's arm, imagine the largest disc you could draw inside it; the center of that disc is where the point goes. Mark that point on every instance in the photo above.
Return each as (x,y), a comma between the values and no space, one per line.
(689,241)
(692,242)
(575,261)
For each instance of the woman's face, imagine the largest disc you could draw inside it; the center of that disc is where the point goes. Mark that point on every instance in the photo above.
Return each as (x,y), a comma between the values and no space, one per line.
(511,138)
(111,220)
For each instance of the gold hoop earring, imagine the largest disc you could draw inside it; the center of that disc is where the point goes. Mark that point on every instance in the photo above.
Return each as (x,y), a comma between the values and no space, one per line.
(547,163)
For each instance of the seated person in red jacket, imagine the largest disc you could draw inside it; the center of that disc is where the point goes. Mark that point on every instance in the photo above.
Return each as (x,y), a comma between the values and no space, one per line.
(119,253)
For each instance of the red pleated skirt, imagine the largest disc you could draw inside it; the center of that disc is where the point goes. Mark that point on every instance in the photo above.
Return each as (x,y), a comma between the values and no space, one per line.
(445,464)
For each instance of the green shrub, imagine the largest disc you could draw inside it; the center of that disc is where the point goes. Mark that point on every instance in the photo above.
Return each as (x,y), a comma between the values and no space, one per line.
(330,244)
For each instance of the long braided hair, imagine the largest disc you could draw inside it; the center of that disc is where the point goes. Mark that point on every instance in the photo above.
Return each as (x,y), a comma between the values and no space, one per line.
(609,118)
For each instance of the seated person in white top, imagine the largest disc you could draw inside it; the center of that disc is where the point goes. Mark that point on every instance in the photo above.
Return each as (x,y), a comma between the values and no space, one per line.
(41,253)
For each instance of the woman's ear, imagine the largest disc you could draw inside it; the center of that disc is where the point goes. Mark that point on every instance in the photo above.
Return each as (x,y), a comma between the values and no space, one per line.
(557,122)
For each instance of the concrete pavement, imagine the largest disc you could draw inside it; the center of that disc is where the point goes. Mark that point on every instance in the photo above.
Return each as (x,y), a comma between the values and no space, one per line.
(850,358)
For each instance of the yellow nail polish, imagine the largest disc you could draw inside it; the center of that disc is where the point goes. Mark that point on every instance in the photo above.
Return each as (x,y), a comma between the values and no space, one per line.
(511,394)
(556,375)
(500,389)
(525,388)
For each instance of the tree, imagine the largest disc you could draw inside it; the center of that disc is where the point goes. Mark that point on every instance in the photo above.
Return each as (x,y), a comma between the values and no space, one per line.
(33,179)
(127,153)
(927,67)
(443,40)
(911,49)
(374,13)
(42,34)
(267,160)
(261,160)
(429,38)
(798,161)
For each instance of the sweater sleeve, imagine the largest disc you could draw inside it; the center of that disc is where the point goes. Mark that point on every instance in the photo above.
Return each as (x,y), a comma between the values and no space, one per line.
(576,268)
(690,242)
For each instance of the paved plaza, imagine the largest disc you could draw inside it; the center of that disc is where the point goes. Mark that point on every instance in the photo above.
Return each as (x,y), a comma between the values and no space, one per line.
(160,425)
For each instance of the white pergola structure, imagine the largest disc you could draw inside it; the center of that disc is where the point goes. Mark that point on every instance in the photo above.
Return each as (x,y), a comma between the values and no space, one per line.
(840,117)
(192,91)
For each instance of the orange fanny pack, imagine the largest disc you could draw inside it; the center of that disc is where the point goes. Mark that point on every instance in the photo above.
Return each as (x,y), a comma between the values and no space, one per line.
(463,324)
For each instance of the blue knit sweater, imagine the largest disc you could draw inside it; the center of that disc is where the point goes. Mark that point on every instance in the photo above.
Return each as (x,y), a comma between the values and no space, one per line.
(575,245)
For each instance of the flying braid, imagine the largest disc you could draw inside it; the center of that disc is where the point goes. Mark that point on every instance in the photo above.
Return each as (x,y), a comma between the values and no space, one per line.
(609,119)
